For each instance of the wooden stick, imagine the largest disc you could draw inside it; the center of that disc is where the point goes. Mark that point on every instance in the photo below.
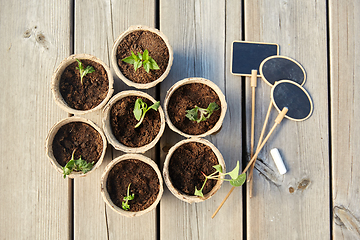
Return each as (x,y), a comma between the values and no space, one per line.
(278,120)
(253,84)
(250,177)
(265,124)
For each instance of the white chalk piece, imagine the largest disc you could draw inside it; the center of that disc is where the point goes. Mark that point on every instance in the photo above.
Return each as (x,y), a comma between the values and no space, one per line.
(278,160)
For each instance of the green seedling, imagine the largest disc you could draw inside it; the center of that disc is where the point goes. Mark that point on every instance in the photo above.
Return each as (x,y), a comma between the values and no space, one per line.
(236,179)
(125,205)
(77,165)
(193,114)
(145,60)
(83,72)
(141,108)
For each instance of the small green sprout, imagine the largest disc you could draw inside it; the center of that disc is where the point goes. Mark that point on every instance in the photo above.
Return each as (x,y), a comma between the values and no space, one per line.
(126,199)
(77,165)
(144,59)
(83,72)
(205,114)
(141,108)
(236,179)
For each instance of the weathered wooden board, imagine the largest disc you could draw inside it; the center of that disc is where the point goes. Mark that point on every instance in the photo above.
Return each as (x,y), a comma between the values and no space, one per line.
(344,75)
(34,197)
(201,33)
(295,205)
(97,25)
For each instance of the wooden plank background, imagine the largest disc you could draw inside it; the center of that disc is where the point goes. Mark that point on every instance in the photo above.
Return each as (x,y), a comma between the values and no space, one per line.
(295,205)
(34,197)
(108,19)
(317,199)
(345,71)
(199,46)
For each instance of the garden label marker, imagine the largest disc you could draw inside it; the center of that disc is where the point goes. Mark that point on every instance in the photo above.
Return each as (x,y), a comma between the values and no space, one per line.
(246,60)
(295,104)
(273,69)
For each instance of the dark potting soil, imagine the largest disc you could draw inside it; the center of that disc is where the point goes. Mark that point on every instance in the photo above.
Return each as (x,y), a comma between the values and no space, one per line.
(144,184)
(80,137)
(89,94)
(123,123)
(186,164)
(187,97)
(139,41)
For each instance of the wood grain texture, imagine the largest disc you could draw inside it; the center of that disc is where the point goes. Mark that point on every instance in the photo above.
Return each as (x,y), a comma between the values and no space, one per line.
(34,197)
(294,205)
(344,73)
(97,25)
(201,33)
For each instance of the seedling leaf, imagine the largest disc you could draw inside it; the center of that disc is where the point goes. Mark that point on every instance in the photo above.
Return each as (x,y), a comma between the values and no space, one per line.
(137,109)
(134,56)
(125,206)
(83,72)
(137,64)
(140,109)
(218,168)
(77,165)
(153,64)
(240,180)
(146,55)
(83,166)
(142,60)
(235,172)
(193,114)
(140,56)
(212,107)
(146,65)
(129,59)
(198,192)
(68,168)
(155,106)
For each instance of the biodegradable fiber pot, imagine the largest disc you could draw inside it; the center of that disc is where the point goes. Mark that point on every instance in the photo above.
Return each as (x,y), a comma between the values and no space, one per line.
(132,40)
(185,153)
(80,103)
(81,144)
(136,135)
(143,179)
(179,99)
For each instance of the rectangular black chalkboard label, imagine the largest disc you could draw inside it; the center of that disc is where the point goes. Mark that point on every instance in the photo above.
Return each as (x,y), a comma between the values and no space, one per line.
(247,56)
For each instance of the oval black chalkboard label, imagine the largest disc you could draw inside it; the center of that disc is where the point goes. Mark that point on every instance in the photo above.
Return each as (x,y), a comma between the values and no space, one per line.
(288,94)
(277,68)
(247,56)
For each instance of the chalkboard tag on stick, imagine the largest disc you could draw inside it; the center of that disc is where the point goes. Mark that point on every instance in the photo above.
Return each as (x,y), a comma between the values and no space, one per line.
(276,68)
(247,56)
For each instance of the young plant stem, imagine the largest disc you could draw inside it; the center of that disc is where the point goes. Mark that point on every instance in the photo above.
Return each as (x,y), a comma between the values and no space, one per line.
(83,72)
(141,108)
(206,178)
(205,113)
(141,120)
(128,197)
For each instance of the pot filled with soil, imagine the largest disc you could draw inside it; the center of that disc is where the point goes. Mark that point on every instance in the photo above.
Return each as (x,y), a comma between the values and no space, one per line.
(133,131)
(184,166)
(195,107)
(132,185)
(76,146)
(142,57)
(81,84)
